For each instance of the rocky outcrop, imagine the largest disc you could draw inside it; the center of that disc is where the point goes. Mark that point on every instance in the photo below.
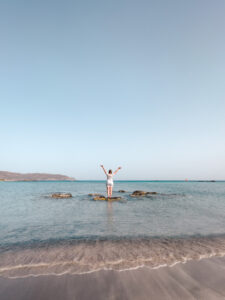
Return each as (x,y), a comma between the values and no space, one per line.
(103,198)
(61,195)
(142,193)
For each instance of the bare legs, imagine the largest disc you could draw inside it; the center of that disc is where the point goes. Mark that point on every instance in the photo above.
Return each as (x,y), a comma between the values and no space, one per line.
(109,191)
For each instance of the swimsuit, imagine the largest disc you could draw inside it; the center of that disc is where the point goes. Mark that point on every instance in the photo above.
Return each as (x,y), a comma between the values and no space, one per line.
(109,180)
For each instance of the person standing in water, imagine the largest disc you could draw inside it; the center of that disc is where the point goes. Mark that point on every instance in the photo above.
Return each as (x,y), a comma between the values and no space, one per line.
(109,183)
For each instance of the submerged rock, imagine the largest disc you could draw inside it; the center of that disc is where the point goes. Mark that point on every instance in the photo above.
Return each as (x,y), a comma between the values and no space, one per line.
(106,198)
(94,194)
(61,195)
(141,193)
(121,191)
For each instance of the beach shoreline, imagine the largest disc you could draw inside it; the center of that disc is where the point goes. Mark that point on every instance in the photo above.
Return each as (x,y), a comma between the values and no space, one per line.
(170,245)
(202,279)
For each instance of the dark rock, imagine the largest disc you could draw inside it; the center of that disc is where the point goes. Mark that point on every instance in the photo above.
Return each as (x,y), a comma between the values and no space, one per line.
(99,197)
(141,193)
(121,191)
(61,195)
(138,193)
(114,198)
(103,198)
(94,194)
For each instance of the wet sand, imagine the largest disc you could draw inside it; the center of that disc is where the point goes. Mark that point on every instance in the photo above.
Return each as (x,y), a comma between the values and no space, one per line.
(204,279)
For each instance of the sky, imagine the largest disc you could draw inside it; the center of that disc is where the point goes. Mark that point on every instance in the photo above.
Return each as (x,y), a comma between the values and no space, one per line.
(138,84)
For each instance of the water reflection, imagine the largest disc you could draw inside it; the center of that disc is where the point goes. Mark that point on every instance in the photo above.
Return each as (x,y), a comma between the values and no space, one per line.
(109,216)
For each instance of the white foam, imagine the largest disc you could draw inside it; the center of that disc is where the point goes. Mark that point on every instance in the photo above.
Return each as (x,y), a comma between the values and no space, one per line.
(119,256)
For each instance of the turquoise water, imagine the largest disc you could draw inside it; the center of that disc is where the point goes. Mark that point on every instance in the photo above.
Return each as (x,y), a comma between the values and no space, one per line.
(186,208)
(182,211)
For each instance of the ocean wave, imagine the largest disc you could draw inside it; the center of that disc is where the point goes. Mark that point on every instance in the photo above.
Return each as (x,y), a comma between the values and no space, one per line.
(119,254)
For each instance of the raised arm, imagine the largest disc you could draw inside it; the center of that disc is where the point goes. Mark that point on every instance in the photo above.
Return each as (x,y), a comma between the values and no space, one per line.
(117,170)
(104,169)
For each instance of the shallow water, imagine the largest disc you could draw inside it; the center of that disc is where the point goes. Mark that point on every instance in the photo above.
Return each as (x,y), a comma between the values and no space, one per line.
(42,235)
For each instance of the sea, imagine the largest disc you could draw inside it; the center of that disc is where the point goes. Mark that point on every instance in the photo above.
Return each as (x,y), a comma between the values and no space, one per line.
(40,235)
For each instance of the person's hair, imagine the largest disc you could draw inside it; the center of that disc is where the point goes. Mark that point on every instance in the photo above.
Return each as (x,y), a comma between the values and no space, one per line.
(110,171)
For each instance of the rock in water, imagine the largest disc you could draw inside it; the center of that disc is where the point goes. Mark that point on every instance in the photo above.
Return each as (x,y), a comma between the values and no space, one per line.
(61,195)
(106,198)
(99,197)
(141,193)
(94,194)
(138,193)
(121,191)
(114,198)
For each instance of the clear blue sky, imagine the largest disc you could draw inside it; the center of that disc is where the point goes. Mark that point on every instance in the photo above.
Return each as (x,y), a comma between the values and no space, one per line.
(139,84)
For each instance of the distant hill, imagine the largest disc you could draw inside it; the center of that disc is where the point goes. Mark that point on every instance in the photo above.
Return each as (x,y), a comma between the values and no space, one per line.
(10,176)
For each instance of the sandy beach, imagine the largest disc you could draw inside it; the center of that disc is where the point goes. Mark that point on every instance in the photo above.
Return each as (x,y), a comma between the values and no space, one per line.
(202,279)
